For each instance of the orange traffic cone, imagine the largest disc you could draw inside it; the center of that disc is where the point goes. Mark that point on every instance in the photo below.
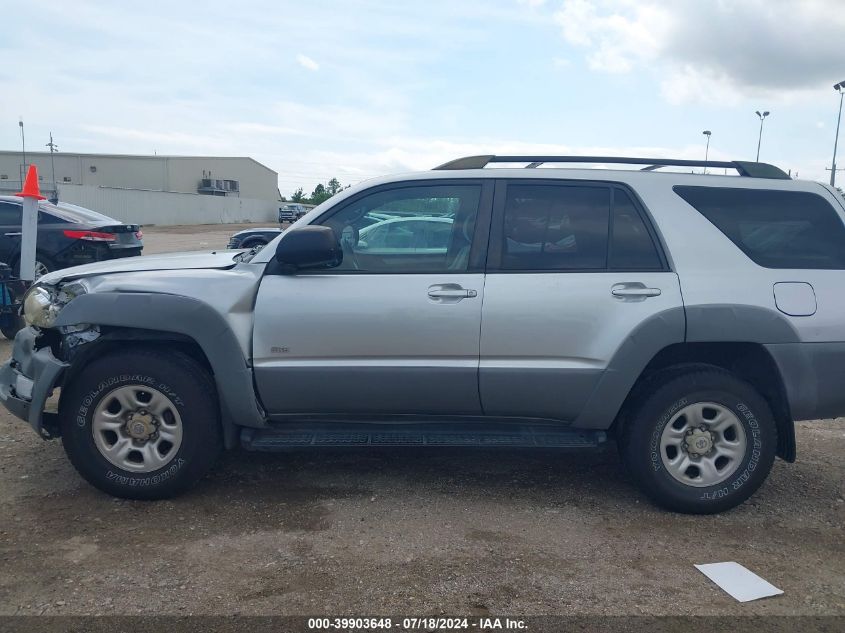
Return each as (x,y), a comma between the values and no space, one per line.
(30,185)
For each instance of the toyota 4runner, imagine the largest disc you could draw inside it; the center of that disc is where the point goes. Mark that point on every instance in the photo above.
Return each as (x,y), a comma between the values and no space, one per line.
(690,317)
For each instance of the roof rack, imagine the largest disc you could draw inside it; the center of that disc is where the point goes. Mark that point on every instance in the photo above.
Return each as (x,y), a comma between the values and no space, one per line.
(743,168)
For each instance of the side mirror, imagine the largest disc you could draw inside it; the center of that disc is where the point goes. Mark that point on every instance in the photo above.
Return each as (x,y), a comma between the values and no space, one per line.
(309,247)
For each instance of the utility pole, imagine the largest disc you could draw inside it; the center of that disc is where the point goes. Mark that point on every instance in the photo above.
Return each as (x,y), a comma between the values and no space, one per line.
(23,149)
(840,88)
(760,137)
(706,149)
(53,149)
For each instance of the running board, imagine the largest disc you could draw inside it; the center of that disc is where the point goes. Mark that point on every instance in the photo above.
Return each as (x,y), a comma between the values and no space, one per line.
(284,436)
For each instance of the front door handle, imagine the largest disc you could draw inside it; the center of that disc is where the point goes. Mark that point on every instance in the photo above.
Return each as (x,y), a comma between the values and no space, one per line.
(13,234)
(450,293)
(635,290)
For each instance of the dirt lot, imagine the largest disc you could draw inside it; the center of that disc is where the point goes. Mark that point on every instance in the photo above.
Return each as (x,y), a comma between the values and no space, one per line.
(168,239)
(408,532)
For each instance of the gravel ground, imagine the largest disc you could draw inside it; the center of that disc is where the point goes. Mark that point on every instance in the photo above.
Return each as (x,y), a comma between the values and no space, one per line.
(203,237)
(457,531)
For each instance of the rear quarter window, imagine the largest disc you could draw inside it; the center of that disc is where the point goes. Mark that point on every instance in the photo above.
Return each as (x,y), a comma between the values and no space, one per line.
(776,229)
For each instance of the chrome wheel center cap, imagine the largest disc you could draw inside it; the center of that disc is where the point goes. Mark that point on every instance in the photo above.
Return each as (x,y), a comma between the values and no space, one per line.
(140,425)
(699,442)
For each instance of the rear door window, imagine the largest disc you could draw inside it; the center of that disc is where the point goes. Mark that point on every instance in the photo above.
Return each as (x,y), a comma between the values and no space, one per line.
(776,229)
(555,227)
(571,226)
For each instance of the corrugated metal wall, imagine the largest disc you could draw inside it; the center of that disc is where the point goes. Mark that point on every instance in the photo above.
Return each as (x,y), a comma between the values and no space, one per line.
(139,206)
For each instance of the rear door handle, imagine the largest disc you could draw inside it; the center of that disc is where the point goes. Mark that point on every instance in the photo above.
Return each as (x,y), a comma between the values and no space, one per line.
(450,293)
(13,234)
(634,290)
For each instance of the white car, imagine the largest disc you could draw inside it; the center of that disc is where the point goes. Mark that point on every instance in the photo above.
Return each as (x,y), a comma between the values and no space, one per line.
(403,235)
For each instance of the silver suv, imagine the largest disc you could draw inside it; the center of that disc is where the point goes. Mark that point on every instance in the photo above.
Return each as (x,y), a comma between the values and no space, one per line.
(690,317)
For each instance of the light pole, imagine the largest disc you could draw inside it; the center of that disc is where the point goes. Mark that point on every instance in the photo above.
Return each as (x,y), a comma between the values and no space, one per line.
(53,149)
(840,88)
(706,149)
(760,136)
(23,149)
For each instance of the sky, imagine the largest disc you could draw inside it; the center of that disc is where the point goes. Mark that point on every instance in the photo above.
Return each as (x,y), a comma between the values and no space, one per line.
(357,89)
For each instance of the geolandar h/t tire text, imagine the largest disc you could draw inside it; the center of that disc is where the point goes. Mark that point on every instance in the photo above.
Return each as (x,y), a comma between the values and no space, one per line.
(700,442)
(141,424)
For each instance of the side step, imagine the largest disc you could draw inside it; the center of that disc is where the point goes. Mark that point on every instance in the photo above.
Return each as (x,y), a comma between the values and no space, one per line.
(354,434)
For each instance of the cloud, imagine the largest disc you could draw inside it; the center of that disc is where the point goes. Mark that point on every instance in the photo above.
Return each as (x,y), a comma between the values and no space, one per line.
(710,51)
(307,62)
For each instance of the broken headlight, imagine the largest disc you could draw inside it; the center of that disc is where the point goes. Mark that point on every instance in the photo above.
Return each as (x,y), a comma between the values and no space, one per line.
(42,304)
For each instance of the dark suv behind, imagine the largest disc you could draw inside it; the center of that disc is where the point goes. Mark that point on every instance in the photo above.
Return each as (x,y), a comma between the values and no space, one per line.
(291,212)
(68,235)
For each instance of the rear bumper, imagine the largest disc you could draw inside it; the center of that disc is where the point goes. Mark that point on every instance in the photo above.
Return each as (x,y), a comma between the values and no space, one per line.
(814,378)
(28,378)
(124,250)
(88,253)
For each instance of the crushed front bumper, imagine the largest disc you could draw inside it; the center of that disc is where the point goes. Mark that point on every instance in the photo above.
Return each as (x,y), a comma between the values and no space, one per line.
(28,378)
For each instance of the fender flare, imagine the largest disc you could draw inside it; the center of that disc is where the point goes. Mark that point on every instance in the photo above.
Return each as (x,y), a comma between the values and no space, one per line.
(627,365)
(697,324)
(239,404)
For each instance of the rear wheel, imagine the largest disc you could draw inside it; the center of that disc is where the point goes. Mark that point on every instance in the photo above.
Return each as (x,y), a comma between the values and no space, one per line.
(141,424)
(43,265)
(700,442)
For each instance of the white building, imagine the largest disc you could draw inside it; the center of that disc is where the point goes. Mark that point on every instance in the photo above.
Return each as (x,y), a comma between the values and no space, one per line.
(153,189)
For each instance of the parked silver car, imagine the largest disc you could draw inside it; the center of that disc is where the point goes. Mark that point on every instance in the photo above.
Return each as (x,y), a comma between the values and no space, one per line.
(690,317)
(395,236)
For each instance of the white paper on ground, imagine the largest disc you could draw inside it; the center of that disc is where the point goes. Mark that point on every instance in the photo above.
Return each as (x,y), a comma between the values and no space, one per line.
(738,581)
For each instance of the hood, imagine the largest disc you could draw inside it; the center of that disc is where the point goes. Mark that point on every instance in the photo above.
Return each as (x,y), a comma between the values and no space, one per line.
(269,229)
(170,261)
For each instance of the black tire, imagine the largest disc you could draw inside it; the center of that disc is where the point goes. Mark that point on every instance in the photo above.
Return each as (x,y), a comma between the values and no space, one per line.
(10,331)
(192,393)
(48,265)
(652,409)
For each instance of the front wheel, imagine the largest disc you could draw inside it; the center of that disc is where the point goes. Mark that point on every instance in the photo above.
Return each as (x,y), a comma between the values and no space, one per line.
(699,442)
(141,424)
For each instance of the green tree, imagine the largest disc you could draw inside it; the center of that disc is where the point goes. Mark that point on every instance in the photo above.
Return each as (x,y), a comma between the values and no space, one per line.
(320,194)
(333,186)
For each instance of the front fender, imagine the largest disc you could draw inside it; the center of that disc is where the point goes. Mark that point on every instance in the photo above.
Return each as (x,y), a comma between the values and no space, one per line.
(239,404)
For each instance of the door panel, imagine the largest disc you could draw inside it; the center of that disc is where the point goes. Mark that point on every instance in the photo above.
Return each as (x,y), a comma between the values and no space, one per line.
(10,231)
(547,338)
(574,271)
(367,344)
(395,328)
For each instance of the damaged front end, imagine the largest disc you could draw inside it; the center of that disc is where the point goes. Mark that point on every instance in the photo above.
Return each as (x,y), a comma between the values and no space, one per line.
(41,355)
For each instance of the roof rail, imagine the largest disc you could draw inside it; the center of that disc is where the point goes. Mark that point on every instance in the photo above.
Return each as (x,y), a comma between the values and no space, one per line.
(743,168)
